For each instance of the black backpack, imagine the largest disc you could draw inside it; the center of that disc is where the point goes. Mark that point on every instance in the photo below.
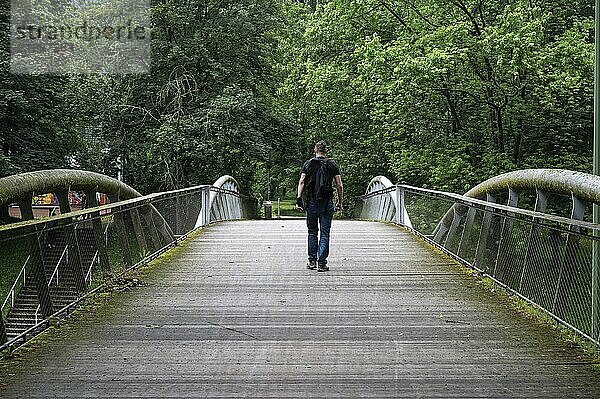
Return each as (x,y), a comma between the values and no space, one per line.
(317,180)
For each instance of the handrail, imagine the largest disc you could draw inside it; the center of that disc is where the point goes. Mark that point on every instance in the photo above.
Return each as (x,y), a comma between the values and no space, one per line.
(513,212)
(55,272)
(15,230)
(582,185)
(89,272)
(11,293)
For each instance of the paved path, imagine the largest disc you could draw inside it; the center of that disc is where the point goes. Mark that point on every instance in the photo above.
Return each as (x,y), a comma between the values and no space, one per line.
(237,314)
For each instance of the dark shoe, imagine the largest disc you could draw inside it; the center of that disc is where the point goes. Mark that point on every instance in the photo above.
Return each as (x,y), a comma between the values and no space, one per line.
(323,268)
(312,264)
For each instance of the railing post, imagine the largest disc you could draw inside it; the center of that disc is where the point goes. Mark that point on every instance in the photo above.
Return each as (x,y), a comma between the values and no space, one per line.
(3,337)
(122,233)
(400,205)
(567,265)
(505,236)
(154,234)
(178,209)
(139,232)
(205,194)
(92,202)
(484,232)
(595,283)
(541,201)
(37,262)
(220,207)
(456,219)
(596,278)
(466,233)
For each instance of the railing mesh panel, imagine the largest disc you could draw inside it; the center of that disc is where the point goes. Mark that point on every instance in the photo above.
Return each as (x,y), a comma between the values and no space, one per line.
(546,259)
(97,243)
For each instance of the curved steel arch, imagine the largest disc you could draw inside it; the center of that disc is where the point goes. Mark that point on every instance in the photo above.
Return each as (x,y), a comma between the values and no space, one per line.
(384,206)
(24,185)
(581,185)
(223,205)
(378,183)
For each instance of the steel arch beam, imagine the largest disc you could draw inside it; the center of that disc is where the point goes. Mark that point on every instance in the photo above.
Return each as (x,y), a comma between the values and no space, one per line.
(581,185)
(25,185)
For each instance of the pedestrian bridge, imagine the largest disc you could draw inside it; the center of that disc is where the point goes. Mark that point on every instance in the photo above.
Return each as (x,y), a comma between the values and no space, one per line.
(232,310)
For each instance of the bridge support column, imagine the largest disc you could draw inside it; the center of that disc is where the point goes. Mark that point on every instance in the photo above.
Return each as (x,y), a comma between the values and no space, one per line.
(73,255)
(99,239)
(37,262)
(139,232)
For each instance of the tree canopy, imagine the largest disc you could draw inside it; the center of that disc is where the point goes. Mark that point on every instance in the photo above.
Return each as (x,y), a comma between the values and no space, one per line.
(433,93)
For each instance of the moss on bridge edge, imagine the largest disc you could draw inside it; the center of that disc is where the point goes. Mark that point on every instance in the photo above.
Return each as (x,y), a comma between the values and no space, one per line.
(520,307)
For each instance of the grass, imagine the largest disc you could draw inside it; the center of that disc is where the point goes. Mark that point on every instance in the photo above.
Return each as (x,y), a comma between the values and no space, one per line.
(288,208)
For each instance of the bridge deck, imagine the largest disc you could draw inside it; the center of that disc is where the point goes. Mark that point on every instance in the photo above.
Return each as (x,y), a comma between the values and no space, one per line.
(237,314)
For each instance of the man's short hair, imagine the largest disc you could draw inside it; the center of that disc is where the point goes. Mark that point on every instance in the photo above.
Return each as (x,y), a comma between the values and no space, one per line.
(321,146)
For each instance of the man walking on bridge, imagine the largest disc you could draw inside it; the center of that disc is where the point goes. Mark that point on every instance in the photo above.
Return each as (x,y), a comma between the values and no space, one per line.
(315,194)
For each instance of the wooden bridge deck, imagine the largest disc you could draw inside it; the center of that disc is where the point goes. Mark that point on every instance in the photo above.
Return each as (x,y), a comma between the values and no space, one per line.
(236,313)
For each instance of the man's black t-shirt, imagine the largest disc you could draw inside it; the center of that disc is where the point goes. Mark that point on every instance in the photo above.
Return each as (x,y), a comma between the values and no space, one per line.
(309,168)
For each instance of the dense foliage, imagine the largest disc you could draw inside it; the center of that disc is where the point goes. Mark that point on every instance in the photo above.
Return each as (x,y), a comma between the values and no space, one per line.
(444,93)
(433,93)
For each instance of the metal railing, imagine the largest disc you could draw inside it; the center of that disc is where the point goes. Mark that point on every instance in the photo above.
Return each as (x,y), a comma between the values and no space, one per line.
(11,293)
(544,259)
(88,275)
(64,253)
(116,236)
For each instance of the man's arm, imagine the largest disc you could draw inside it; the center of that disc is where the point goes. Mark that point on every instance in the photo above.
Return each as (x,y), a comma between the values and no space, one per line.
(340,192)
(300,191)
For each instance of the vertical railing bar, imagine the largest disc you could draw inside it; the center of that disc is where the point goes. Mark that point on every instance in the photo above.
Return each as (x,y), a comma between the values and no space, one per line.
(466,233)
(571,246)
(541,201)
(505,234)
(484,232)
(456,219)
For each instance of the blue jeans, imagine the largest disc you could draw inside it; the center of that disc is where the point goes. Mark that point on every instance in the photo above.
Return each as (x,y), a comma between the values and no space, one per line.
(319,213)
